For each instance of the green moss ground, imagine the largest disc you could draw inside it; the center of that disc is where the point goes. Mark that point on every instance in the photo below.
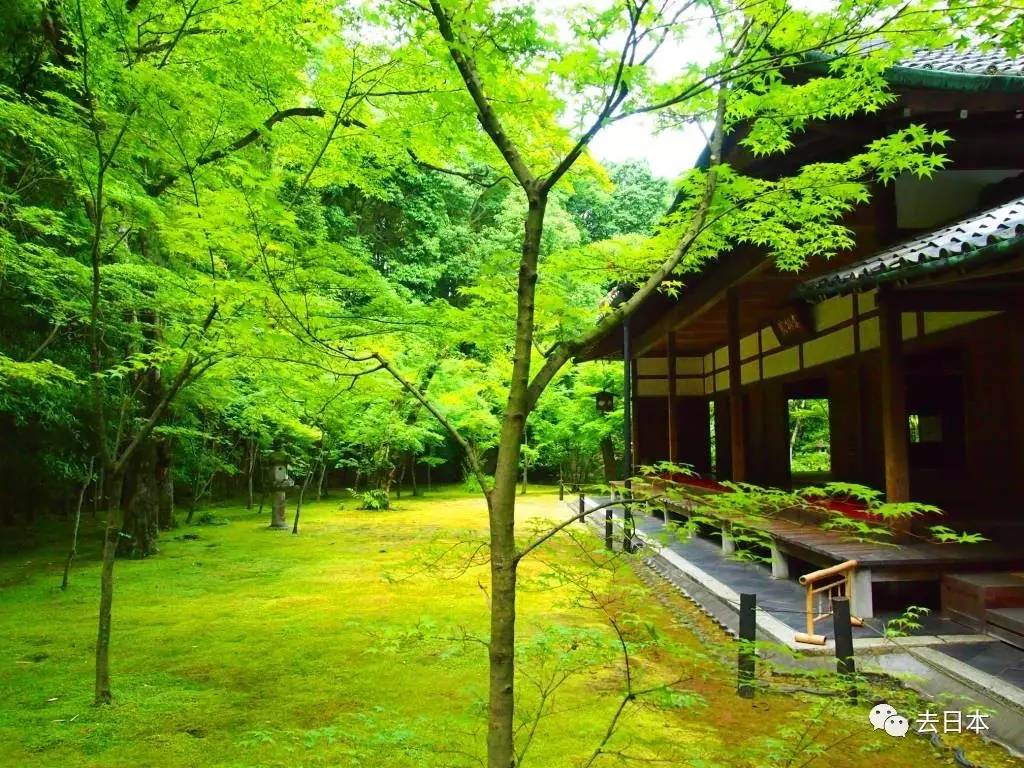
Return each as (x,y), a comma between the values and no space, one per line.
(252,647)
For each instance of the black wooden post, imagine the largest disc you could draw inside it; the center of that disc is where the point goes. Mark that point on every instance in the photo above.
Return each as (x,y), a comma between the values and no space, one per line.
(561,490)
(609,531)
(627,404)
(583,508)
(844,636)
(628,526)
(748,636)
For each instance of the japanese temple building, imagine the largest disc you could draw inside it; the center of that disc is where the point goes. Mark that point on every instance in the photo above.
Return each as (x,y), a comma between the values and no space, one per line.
(921,324)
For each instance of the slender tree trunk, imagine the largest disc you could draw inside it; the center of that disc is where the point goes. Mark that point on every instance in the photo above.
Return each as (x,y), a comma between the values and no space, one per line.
(302,493)
(191,507)
(320,482)
(401,476)
(793,438)
(608,458)
(502,507)
(78,519)
(252,469)
(263,487)
(97,492)
(103,694)
(412,474)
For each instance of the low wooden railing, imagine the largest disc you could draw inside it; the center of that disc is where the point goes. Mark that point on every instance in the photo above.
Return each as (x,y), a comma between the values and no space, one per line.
(821,587)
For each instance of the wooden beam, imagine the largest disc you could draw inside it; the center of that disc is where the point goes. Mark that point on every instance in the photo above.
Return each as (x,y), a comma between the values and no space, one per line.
(973,300)
(894,401)
(704,293)
(737,420)
(673,437)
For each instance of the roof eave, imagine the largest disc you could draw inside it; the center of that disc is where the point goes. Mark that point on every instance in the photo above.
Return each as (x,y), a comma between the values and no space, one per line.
(974,256)
(944,80)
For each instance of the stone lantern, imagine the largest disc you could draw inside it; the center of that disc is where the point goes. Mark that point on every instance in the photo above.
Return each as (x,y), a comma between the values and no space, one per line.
(280,482)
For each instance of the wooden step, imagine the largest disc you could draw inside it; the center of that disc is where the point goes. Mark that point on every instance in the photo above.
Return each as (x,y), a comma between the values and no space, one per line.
(967,596)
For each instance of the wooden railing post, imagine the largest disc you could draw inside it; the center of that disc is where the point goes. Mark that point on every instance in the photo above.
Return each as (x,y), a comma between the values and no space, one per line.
(841,620)
(746,661)
(843,623)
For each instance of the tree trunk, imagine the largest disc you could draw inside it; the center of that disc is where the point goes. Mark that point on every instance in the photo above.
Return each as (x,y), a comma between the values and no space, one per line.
(501,651)
(526,467)
(252,469)
(165,485)
(502,506)
(78,519)
(608,458)
(401,475)
(320,482)
(263,487)
(140,504)
(302,493)
(793,438)
(412,474)
(103,694)
(97,492)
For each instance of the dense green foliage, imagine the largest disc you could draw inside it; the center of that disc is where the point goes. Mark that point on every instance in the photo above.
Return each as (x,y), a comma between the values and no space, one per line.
(210,227)
(213,205)
(809,443)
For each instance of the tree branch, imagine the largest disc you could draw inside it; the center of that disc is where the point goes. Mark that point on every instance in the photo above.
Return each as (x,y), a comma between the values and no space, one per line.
(470,452)
(167,180)
(488,118)
(189,370)
(564,351)
(566,523)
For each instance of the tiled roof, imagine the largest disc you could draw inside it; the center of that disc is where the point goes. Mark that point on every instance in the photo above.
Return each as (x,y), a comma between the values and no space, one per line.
(965,240)
(968,62)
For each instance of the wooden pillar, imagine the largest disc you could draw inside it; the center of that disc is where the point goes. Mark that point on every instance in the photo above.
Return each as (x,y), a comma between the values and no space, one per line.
(737,417)
(1016,388)
(673,428)
(894,401)
(634,422)
(860,460)
(629,434)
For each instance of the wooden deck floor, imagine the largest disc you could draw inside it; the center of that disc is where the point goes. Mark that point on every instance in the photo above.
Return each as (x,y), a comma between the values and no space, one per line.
(904,558)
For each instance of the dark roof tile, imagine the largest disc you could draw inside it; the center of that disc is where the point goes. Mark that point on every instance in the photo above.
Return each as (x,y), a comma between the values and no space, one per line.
(970,62)
(1004,223)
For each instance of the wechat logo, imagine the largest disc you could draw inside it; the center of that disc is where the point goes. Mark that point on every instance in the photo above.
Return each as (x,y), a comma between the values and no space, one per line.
(883,717)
